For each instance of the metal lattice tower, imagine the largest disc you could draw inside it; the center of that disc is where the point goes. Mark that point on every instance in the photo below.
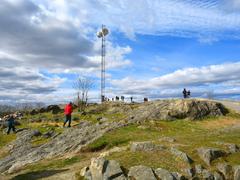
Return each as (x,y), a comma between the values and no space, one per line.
(102,34)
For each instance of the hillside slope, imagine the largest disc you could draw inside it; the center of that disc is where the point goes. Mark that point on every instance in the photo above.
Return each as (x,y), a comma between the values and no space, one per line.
(118,123)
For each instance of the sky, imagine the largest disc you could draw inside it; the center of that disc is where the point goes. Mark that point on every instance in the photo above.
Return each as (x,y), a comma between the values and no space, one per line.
(155,48)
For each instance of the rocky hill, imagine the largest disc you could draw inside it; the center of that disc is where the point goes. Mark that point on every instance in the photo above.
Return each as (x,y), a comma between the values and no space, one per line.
(112,124)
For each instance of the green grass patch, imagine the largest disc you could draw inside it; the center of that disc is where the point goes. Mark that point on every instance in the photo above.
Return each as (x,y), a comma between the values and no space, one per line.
(5,139)
(55,164)
(162,159)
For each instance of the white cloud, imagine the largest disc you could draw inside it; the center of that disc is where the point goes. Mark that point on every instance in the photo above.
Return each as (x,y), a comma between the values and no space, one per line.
(202,19)
(198,79)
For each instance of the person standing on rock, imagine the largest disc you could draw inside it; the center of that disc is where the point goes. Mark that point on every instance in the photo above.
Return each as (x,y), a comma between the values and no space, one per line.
(184,93)
(10,123)
(68,113)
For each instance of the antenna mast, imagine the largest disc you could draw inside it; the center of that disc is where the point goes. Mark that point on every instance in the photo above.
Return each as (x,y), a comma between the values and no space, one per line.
(102,34)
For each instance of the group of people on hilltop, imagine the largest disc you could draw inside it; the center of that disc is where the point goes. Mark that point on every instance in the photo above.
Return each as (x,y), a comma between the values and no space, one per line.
(68,114)
(186,94)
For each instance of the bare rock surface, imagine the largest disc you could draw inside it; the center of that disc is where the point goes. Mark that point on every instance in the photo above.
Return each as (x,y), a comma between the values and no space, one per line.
(177,109)
(236,172)
(210,154)
(164,174)
(146,146)
(226,170)
(181,155)
(141,173)
(71,140)
(102,169)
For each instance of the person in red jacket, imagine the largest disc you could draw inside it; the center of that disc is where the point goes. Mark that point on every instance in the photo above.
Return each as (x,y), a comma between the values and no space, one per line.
(68,112)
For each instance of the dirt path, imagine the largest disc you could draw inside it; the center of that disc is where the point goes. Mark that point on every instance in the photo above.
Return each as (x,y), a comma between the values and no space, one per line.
(234,105)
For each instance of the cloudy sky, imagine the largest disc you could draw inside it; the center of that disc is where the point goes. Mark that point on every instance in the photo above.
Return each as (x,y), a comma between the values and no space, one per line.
(155,48)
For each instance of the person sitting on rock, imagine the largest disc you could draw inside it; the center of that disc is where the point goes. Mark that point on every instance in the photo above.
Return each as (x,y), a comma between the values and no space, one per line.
(184,93)
(10,123)
(68,112)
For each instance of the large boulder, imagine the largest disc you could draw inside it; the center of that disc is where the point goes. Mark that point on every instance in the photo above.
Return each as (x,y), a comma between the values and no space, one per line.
(226,170)
(218,176)
(210,154)
(181,155)
(145,146)
(141,173)
(177,109)
(207,175)
(236,172)
(164,174)
(233,148)
(102,169)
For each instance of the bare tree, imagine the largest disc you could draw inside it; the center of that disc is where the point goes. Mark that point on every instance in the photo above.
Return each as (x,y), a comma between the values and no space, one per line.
(82,85)
(210,94)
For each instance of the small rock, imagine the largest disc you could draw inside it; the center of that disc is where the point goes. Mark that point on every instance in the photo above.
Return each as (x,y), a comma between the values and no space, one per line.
(190,172)
(85,172)
(168,139)
(178,176)
(36,133)
(209,154)
(164,174)
(142,127)
(237,172)
(113,171)
(233,148)
(207,175)
(141,173)
(182,155)
(198,169)
(15,168)
(217,176)
(48,134)
(145,146)
(97,167)
(113,150)
(225,169)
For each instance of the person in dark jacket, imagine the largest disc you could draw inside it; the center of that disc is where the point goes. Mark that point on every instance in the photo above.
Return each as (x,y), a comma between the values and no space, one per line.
(68,112)
(184,93)
(10,121)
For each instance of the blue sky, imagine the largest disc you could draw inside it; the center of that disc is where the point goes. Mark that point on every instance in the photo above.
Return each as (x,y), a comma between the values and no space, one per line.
(155,48)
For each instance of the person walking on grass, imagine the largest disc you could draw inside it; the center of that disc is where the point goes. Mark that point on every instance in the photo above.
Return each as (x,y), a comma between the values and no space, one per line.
(10,122)
(68,112)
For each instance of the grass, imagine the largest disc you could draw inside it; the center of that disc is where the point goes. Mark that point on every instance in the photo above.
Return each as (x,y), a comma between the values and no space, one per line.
(5,139)
(48,168)
(161,159)
(189,136)
(55,164)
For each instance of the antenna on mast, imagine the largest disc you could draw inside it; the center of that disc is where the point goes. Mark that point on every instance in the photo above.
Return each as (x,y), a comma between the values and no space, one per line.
(102,34)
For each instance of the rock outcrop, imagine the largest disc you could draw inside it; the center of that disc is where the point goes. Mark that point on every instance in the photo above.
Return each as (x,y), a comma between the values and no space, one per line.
(71,140)
(178,109)
(102,169)
(141,173)
(209,154)
(181,155)
(146,146)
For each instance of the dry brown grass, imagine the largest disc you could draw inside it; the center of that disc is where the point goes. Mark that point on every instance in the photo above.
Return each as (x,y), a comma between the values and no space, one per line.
(220,123)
